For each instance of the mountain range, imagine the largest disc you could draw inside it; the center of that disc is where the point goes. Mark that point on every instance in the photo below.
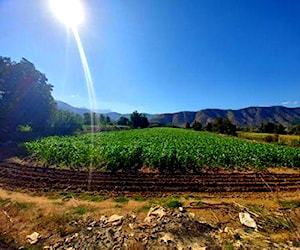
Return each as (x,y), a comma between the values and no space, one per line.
(247,117)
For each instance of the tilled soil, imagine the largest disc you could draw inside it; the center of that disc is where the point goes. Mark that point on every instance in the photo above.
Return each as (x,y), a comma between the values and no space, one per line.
(42,178)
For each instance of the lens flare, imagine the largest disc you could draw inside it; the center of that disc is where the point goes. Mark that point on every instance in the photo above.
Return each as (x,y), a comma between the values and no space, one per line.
(87,72)
(69,12)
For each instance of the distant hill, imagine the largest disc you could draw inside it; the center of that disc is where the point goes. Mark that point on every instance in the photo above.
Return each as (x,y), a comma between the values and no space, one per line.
(114,116)
(67,107)
(247,117)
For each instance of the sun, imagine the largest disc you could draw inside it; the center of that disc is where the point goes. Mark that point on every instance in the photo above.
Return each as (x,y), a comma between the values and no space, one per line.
(69,12)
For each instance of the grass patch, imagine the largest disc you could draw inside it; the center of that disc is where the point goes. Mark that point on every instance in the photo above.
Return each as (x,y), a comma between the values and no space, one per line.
(197,198)
(59,222)
(279,223)
(143,209)
(93,197)
(54,196)
(174,204)
(58,203)
(140,198)
(121,199)
(4,201)
(24,205)
(289,204)
(69,195)
(249,230)
(229,246)
(255,208)
(268,220)
(81,210)
(199,204)
(118,206)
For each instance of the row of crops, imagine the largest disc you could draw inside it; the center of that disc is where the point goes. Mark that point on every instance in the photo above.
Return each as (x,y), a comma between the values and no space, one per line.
(165,149)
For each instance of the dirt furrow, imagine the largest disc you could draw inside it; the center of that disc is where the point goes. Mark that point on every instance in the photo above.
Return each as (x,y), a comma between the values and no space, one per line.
(17,175)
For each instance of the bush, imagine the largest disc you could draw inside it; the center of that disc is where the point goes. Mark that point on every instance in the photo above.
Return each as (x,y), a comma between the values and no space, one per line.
(121,199)
(174,204)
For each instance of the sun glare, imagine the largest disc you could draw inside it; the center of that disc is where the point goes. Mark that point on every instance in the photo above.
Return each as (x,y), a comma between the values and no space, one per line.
(70,12)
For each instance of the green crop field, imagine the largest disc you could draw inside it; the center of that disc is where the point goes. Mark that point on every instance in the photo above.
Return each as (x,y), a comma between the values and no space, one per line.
(165,149)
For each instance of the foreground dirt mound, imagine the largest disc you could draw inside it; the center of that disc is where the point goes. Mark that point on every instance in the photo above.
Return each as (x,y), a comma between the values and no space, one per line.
(162,229)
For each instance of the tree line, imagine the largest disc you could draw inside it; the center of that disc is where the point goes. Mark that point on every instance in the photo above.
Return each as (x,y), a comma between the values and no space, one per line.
(28,109)
(220,125)
(225,126)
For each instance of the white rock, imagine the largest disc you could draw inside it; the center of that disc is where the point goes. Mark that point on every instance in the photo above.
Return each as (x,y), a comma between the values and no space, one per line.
(246,220)
(115,219)
(167,237)
(192,215)
(33,238)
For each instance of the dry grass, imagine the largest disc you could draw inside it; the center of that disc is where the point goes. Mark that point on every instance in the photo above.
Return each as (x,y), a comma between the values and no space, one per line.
(288,140)
(22,213)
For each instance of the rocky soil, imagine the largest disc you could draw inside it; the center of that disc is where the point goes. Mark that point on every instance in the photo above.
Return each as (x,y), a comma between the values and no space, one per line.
(162,229)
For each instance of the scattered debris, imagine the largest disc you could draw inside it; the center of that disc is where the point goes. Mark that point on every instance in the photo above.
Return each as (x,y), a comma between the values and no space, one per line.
(162,229)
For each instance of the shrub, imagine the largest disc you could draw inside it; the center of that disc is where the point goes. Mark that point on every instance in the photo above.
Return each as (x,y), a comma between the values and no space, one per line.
(174,204)
(121,199)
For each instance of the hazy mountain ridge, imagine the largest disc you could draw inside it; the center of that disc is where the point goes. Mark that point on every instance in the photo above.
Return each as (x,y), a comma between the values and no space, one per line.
(246,117)
(114,116)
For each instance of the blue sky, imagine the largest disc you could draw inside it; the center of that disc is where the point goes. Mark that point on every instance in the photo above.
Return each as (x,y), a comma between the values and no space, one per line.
(159,56)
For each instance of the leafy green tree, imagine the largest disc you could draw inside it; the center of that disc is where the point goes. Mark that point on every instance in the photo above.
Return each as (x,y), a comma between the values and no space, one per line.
(123,121)
(102,119)
(223,126)
(66,123)
(279,129)
(138,120)
(25,98)
(187,125)
(197,126)
(294,129)
(208,127)
(87,118)
(269,127)
(107,120)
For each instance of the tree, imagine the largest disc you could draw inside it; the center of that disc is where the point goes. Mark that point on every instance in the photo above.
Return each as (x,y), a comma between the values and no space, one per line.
(279,129)
(66,122)
(208,127)
(187,125)
(267,127)
(87,118)
(294,129)
(138,120)
(270,127)
(107,120)
(25,98)
(123,121)
(223,126)
(197,126)
(102,119)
